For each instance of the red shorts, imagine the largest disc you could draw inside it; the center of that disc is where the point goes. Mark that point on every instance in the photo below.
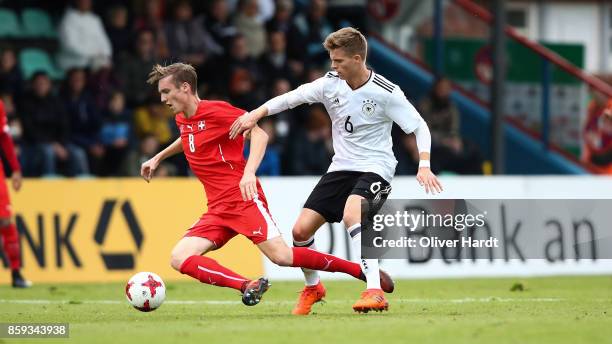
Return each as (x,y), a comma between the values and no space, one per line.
(220,224)
(5,201)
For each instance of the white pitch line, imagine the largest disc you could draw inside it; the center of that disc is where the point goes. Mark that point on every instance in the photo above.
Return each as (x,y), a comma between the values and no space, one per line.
(226,302)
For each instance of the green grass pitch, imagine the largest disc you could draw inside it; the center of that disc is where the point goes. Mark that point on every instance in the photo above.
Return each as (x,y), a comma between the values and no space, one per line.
(548,310)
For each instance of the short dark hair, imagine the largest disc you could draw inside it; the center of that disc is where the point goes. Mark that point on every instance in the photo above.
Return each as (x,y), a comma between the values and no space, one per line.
(180,72)
(39,73)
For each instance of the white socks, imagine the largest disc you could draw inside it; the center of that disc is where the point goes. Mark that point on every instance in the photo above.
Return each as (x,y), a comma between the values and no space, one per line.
(368,266)
(311,276)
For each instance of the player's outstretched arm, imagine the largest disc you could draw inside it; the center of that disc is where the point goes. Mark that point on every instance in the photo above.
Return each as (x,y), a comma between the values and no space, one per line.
(247,121)
(147,169)
(408,118)
(248,183)
(307,93)
(425,176)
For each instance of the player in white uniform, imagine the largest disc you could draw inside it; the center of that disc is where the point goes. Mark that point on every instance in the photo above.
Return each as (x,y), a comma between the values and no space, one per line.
(363,106)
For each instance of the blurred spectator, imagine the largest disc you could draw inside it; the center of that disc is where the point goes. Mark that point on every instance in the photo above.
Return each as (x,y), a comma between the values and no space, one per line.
(46,133)
(11,115)
(344,13)
(310,31)
(242,89)
(237,75)
(149,146)
(187,39)
(595,109)
(283,119)
(153,118)
(283,124)
(219,25)
(118,30)
(135,68)
(152,18)
(85,118)
(312,150)
(275,63)
(115,135)
(266,9)
(9,106)
(281,21)
(406,152)
(450,151)
(603,155)
(270,164)
(10,76)
(83,41)
(597,132)
(102,84)
(249,25)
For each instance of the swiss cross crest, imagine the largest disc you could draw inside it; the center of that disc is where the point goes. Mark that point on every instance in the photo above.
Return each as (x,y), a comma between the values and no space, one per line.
(369,107)
(201,125)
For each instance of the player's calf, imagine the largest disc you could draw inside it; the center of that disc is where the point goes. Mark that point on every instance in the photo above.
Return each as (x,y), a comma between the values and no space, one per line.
(300,257)
(281,256)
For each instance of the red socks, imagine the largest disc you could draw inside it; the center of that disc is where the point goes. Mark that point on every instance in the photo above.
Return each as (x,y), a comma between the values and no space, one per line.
(10,239)
(208,271)
(306,258)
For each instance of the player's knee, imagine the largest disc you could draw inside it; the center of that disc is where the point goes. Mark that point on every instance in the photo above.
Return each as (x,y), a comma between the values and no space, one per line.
(350,219)
(300,233)
(176,260)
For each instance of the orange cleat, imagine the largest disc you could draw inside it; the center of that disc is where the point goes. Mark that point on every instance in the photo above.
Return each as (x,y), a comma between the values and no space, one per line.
(308,297)
(371,300)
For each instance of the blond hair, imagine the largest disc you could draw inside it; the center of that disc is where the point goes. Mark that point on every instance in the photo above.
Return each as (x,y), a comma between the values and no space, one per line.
(180,72)
(348,39)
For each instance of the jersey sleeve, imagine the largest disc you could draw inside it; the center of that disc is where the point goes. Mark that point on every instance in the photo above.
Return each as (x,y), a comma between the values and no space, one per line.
(6,142)
(309,93)
(402,112)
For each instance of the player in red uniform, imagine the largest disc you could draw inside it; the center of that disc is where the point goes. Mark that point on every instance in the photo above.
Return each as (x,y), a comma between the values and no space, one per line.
(8,230)
(236,202)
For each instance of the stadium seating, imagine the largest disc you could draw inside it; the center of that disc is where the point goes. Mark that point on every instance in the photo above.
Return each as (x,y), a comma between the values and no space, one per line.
(33,60)
(37,23)
(9,24)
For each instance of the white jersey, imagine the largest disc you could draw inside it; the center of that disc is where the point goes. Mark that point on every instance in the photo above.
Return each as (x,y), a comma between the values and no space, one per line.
(361,120)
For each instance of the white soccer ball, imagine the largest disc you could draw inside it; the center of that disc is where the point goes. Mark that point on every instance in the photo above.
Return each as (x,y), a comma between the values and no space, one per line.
(145,291)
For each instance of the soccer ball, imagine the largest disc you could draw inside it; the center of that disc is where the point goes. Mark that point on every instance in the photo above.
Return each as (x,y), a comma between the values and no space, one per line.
(145,291)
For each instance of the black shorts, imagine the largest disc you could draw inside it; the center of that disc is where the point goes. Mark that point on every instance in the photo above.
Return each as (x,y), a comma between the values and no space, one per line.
(329,197)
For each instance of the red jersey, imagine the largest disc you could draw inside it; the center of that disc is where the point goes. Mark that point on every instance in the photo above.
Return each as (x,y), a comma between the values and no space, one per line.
(217,161)
(6,142)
